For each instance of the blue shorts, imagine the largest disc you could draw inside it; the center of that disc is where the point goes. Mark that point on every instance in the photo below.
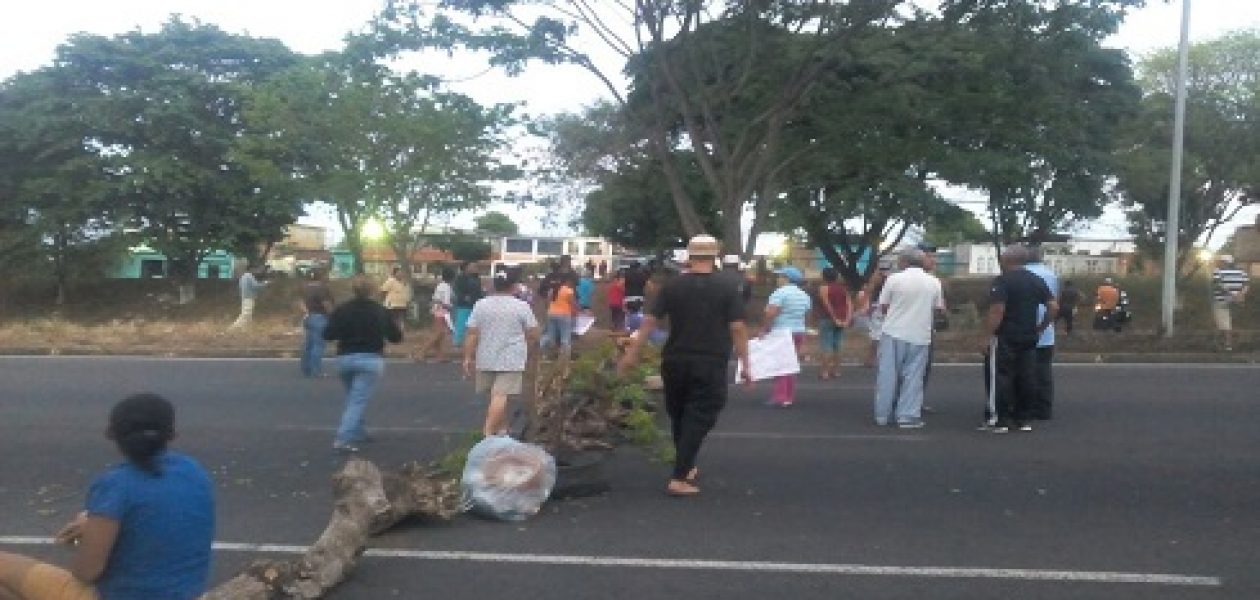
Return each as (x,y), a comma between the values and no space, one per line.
(830,336)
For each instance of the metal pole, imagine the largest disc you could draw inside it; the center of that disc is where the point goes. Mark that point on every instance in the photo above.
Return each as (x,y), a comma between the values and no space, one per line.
(1173,228)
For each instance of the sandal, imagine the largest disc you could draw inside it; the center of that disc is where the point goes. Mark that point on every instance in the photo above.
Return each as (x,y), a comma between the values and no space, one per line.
(681,489)
(693,475)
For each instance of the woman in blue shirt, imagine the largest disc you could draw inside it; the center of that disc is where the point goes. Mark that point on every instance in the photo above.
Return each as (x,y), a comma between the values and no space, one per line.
(786,310)
(147,528)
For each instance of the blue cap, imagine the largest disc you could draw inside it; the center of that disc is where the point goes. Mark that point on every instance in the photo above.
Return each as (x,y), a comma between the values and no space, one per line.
(792,273)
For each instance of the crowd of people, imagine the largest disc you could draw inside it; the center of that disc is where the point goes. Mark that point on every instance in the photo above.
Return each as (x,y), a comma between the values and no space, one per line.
(900,310)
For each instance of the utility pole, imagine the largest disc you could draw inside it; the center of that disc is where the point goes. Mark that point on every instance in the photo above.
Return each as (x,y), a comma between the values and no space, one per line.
(1172,228)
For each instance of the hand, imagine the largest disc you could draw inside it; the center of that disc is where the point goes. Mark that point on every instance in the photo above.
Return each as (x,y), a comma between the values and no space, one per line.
(73,530)
(629,361)
(468,368)
(839,323)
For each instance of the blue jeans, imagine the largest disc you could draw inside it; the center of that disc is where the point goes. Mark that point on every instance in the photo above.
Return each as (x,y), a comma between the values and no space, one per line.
(559,332)
(461,324)
(313,347)
(360,373)
(899,382)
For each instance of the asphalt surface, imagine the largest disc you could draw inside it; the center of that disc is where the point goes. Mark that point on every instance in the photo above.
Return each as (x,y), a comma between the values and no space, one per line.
(1145,471)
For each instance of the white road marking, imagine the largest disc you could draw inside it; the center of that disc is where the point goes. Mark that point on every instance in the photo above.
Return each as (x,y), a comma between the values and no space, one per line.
(726,565)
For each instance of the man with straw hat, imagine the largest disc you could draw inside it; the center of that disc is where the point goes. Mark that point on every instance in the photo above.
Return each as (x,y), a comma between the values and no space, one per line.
(706,320)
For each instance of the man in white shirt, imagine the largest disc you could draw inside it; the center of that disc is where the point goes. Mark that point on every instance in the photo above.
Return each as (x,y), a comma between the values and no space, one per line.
(909,303)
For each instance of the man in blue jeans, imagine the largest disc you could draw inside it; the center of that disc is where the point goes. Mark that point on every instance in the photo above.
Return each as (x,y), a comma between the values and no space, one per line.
(360,327)
(317,302)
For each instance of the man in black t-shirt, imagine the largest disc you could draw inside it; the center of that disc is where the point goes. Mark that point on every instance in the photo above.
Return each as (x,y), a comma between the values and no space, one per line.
(706,318)
(1010,344)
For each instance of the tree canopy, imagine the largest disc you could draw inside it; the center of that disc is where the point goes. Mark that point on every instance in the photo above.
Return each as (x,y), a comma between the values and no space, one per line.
(1221,173)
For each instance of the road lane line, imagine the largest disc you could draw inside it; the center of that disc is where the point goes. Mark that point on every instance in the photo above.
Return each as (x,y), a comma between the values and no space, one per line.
(727,565)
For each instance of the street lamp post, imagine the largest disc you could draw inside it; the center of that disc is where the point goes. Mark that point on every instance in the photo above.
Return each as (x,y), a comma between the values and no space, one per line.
(1172,229)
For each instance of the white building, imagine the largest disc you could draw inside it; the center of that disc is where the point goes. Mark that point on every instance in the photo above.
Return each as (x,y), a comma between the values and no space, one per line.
(522,249)
(1074,257)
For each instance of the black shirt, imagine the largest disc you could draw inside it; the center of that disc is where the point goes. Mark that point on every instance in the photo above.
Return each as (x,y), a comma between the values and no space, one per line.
(1069,298)
(468,290)
(1022,292)
(361,326)
(700,308)
(317,297)
(636,282)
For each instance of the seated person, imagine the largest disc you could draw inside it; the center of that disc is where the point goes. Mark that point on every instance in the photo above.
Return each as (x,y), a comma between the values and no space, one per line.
(147,528)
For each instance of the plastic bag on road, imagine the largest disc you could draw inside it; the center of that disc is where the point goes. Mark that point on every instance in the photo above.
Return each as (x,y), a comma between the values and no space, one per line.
(506,479)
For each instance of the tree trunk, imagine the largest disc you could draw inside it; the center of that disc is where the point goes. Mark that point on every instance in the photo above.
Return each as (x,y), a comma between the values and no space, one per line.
(366,502)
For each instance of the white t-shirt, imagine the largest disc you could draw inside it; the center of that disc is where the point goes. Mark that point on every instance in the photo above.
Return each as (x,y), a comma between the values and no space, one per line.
(911,297)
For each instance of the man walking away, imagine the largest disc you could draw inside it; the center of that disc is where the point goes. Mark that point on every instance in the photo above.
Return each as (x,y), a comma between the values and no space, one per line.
(360,327)
(249,286)
(909,302)
(1229,289)
(316,304)
(500,330)
(706,319)
(1010,345)
(1042,403)
(396,293)
(1069,299)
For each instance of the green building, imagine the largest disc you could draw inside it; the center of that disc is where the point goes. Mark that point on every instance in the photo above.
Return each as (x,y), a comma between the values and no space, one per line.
(145,263)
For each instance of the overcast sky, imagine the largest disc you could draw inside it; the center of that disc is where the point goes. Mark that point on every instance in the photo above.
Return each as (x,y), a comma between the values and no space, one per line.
(31,31)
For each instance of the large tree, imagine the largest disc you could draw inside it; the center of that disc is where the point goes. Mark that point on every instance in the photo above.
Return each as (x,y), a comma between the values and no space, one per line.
(1221,172)
(165,111)
(1032,106)
(52,184)
(717,80)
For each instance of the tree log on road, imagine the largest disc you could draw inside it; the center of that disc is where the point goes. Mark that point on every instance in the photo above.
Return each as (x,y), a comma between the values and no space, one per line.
(366,502)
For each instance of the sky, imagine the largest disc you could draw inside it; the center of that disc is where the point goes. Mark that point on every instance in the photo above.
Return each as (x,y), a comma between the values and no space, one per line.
(31,31)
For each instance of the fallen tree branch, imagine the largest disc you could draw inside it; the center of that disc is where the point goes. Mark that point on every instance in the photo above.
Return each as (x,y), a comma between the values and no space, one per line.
(366,502)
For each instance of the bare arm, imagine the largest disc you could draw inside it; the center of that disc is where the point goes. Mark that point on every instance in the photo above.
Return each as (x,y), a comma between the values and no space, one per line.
(739,336)
(824,294)
(95,537)
(470,349)
(997,311)
(772,313)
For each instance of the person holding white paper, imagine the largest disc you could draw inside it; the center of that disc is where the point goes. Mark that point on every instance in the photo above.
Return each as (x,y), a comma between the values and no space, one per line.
(785,311)
(706,320)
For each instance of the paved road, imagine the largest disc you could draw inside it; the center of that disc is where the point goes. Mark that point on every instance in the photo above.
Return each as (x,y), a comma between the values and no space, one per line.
(1147,472)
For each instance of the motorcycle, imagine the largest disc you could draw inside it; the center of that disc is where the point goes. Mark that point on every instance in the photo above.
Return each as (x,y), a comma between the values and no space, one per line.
(1114,319)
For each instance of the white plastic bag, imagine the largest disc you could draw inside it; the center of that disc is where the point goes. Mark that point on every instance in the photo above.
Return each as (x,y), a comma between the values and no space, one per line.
(506,479)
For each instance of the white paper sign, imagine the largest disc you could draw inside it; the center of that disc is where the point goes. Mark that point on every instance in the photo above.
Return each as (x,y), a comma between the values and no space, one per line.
(583,324)
(771,356)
